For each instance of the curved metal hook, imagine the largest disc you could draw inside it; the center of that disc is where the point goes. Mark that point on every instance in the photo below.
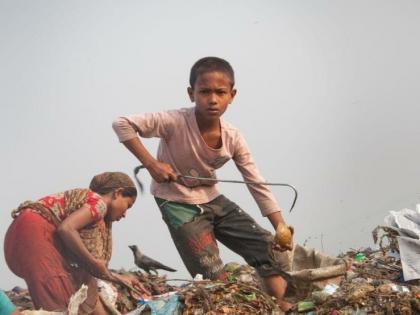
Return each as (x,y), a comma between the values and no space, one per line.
(138,168)
(136,171)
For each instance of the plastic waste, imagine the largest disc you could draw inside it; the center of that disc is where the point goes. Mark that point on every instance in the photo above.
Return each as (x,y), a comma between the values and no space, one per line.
(168,304)
(330,288)
(198,277)
(107,291)
(399,288)
(359,257)
(305,306)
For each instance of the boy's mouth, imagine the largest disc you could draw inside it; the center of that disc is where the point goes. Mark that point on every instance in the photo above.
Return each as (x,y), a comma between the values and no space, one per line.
(213,110)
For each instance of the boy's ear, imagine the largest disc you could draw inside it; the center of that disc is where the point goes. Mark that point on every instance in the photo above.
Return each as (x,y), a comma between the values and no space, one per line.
(190,93)
(233,93)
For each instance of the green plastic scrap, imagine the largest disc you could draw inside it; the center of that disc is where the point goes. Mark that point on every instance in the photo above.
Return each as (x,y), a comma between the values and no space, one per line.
(231,266)
(304,306)
(359,257)
(250,297)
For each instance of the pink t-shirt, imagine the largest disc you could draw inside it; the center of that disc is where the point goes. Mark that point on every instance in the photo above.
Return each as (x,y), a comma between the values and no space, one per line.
(182,146)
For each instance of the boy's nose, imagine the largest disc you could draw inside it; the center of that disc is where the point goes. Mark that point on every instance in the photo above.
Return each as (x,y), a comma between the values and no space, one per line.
(213,98)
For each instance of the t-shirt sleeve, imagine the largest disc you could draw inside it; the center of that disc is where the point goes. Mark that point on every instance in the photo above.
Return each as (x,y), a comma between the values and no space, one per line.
(6,306)
(246,165)
(147,125)
(96,206)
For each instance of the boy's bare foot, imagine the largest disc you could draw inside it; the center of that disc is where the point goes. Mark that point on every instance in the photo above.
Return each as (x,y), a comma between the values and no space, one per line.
(285,306)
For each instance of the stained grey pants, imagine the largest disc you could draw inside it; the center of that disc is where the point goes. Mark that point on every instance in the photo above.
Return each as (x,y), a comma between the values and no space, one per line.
(195,229)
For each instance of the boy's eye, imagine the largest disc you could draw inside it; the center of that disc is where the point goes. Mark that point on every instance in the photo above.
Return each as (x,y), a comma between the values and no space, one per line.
(218,92)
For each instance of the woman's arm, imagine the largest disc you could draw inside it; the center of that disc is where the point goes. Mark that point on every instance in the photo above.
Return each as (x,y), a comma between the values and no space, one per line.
(68,231)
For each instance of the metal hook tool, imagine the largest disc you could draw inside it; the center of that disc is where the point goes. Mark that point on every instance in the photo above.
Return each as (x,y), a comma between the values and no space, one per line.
(138,168)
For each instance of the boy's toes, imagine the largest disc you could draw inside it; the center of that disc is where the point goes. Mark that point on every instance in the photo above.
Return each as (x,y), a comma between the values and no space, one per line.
(286,306)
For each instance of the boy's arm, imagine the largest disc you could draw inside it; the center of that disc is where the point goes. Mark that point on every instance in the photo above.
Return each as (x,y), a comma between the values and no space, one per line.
(249,171)
(161,172)
(261,193)
(276,218)
(128,130)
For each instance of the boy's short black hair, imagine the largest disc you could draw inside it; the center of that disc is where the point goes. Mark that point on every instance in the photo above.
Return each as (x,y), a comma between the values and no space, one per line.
(209,64)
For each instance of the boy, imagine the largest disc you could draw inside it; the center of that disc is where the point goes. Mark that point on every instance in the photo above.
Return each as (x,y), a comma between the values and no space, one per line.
(195,142)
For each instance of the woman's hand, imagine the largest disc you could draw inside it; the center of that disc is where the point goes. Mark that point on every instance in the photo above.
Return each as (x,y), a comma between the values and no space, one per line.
(99,269)
(131,282)
(162,172)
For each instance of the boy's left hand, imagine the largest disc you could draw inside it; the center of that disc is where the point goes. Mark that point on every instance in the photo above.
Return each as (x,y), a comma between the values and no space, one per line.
(285,247)
(277,220)
(277,246)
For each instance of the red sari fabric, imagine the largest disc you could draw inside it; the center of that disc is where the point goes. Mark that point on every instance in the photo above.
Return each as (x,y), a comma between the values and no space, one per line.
(34,253)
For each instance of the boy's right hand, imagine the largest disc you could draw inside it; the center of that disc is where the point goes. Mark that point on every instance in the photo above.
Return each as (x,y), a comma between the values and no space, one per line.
(162,172)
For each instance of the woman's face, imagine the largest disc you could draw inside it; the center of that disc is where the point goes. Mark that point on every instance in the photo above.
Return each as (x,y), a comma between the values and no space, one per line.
(119,206)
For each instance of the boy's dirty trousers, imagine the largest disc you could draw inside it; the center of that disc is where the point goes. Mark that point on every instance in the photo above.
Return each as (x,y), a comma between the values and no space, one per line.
(195,228)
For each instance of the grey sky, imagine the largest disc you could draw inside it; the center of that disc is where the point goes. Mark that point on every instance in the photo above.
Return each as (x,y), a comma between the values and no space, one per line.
(327,100)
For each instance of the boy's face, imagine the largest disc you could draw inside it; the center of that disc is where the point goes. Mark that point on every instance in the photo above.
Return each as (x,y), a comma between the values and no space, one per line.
(212,93)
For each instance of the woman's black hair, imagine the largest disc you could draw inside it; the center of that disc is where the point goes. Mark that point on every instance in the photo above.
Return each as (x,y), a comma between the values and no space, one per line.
(109,181)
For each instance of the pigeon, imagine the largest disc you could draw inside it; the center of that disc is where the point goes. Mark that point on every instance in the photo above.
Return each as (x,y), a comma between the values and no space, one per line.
(147,263)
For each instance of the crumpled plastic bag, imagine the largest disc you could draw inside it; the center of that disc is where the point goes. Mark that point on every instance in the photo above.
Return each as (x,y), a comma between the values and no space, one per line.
(167,304)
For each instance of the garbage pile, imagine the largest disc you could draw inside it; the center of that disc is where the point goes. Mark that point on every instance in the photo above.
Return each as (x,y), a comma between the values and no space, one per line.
(358,282)
(240,294)
(21,298)
(24,303)
(127,300)
(374,284)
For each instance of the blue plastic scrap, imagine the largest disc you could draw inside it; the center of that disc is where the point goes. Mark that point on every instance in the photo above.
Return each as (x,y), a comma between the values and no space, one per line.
(165,306)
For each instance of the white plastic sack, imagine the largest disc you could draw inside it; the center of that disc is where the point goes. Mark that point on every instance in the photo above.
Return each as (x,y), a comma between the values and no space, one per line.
(407,223)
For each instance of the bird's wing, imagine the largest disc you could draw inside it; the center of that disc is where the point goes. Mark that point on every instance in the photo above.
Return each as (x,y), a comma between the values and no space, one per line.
(154,263)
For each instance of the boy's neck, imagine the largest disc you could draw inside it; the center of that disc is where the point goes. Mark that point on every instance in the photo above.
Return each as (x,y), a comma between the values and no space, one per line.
(210,131)
(207,125)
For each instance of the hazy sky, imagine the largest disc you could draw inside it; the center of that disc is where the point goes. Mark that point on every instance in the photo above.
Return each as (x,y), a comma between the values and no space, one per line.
(327,99)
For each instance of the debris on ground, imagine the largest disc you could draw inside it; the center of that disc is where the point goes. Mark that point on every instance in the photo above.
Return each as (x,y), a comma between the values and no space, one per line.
(241,294)
(362,281)
(21,298)
(73,308)
(374,283)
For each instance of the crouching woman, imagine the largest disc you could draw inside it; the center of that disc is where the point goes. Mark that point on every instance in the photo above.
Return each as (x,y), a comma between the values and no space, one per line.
(64,240)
